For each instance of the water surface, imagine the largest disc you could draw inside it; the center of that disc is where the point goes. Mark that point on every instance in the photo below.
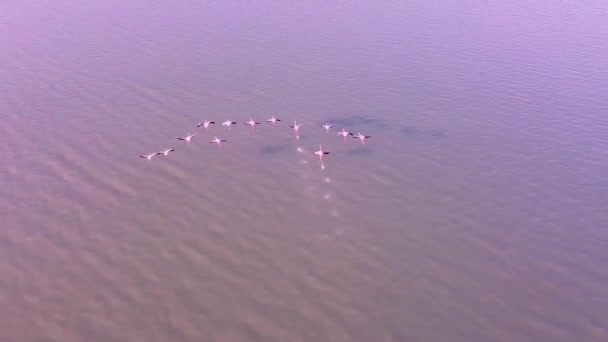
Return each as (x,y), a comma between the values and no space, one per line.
(476,212)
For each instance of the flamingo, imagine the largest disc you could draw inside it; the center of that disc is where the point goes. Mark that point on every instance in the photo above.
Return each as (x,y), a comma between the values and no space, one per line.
(273,120)
(165,151)
(296,128)
(205,124)
(362,137)
(187,137)
(320,152)
(217,141)
(344,133)
(252,123)
(148,156)
(327,127)
(228,123)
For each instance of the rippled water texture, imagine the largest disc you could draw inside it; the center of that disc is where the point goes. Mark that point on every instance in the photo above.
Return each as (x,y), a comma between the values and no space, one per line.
(478,210)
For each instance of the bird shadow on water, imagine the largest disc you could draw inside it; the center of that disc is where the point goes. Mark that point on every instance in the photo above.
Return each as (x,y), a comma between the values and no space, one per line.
(269,150)
(365,122)
(437,134)
(359,151)
(413,132)
(409,131)
(359,121)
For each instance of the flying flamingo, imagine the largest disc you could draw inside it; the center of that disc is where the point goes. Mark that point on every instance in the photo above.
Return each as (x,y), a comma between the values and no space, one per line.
(344,133)
(273,120)
(165,151)
(217,141)
(321,152)
(252,123)
(205,124)
(327,127)
(362,137)
(188,137)
(296,128)
(228,123)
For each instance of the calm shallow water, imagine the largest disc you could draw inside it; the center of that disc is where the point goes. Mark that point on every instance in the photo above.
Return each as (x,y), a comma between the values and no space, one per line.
(476,212)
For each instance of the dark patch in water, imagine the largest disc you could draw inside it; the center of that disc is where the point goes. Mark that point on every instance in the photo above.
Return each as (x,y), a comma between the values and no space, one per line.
(410,131)
(438,134)
(273,149)
(358,151)
(358,122)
